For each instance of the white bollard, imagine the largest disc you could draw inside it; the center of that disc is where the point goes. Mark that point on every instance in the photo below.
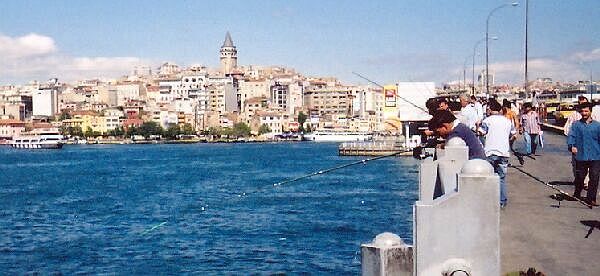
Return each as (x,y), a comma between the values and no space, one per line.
(386,255)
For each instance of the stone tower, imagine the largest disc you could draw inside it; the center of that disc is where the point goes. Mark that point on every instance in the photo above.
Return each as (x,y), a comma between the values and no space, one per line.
(228,55)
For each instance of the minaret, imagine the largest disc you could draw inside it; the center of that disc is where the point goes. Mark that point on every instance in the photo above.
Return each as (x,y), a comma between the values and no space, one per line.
(228,55)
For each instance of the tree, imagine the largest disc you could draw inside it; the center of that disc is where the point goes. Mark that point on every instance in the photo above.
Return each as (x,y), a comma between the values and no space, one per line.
(132,130)
(188,129)
(64,130)
(226,131)
(64,115)
(263,129)
(150,128)
(241,130)
(118,131)
(301,119)
(75,131)
(172,132)
(88,132)
(214,131)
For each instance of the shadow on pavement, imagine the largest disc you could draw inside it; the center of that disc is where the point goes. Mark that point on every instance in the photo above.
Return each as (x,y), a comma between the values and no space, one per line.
(556,183)
(591,224)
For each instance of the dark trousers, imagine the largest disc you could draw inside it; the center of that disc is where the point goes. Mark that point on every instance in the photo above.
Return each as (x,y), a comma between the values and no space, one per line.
(534,142)
(582,168)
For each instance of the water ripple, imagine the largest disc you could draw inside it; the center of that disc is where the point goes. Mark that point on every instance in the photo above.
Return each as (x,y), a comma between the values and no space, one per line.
(179,209)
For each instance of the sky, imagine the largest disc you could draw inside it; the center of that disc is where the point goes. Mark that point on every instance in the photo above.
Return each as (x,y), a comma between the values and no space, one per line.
(387,41)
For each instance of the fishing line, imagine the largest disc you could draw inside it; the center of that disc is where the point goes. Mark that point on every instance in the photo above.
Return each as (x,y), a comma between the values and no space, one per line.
(320,172)
(363,161)
(551,186)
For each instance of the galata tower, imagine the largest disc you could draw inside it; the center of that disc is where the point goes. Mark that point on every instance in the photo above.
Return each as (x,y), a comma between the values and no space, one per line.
(228,55)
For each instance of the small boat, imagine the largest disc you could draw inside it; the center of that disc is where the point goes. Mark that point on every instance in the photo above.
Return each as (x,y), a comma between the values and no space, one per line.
(337,136)
(41,139)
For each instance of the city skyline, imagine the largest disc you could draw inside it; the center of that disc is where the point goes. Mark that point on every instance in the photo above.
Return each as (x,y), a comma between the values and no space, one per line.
(388,41)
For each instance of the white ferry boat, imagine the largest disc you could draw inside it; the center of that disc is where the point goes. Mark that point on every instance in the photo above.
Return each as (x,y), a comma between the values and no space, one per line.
(337,136)
(42,139)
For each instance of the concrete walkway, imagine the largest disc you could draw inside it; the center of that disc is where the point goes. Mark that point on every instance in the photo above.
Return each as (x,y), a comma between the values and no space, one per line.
(534,231)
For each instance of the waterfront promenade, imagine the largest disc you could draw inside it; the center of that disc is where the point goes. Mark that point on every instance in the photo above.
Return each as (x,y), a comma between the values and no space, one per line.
(534,231)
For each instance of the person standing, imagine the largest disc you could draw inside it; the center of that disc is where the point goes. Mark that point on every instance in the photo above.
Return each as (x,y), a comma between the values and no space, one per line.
(584,142)
(514,119)
(468,113)
(443,105)
(498,130)
(574,117)
(530,127)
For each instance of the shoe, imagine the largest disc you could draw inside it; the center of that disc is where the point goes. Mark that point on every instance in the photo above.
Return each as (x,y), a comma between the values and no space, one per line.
(502,205)
(521,160)
(593,203)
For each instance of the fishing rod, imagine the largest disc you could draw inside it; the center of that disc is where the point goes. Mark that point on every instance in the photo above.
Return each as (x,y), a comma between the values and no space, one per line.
(363,161)
(551,186)
(381,86)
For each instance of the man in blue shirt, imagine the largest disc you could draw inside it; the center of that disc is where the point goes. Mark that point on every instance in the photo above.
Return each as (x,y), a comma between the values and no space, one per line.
(584,143)
(445,124)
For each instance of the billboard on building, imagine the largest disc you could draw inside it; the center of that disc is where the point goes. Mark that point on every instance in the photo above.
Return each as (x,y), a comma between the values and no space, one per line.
(390,107)
(390,92)
(414,95)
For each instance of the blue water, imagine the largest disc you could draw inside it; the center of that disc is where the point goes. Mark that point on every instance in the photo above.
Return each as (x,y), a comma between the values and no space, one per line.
(171,209)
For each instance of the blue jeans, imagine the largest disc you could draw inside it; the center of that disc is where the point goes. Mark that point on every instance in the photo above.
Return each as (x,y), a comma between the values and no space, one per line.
(500,164)
(531,142)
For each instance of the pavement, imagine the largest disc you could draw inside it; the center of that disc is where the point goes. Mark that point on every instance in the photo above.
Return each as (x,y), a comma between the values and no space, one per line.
(536,230)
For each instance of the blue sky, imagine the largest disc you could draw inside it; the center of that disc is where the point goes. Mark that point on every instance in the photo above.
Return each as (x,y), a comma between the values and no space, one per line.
(388,41)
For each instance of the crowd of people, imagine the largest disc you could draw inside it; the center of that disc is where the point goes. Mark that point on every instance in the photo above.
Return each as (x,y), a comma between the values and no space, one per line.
(490,128)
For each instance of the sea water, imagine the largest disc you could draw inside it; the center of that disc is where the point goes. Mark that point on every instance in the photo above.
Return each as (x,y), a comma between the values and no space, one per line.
(197,208)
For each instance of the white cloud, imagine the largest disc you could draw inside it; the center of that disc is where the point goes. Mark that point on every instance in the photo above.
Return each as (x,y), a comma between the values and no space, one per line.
(36,57)
(570,68)
(585,57)
(26,46)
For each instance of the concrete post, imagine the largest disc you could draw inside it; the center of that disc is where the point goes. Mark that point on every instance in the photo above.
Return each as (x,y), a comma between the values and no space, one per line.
(456,153)
(386,255)
(461,225)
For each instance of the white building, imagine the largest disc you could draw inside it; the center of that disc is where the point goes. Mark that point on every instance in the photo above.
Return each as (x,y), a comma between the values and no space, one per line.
(45,102)
(253,88)
(168,68)
(126,92)
(112,117)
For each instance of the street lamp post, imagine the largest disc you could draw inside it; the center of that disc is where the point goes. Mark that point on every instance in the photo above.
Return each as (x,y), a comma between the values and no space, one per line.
(474,54)
(487,29)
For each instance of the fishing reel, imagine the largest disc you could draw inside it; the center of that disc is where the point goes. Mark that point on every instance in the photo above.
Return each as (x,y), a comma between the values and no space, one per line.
(426,149)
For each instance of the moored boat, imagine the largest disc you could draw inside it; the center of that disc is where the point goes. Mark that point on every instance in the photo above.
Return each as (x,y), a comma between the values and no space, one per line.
(41,139)
(337,136)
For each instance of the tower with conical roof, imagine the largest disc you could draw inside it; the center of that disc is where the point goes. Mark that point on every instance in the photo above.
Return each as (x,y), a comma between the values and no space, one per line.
(228,55)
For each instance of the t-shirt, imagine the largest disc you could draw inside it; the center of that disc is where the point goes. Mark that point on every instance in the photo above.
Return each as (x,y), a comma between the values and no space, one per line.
(497,130)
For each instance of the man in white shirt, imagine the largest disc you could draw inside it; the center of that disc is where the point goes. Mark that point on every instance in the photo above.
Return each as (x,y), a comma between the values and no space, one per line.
(498,130)
(468,113)
(479,107)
